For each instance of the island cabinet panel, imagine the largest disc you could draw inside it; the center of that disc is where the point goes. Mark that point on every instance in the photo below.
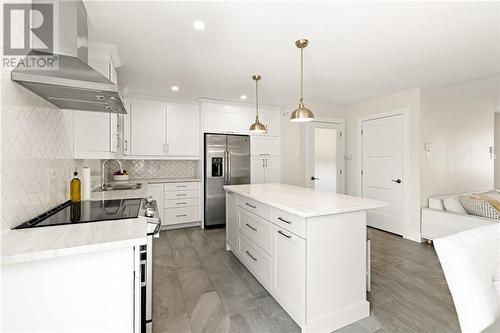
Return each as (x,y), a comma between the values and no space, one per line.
(232,221)
(258,262)
(290,272)
(310,254)
(290,222)
(255,207)
(255,228)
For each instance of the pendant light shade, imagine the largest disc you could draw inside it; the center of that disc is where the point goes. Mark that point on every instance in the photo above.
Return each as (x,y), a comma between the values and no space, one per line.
(301,114)
(257,126)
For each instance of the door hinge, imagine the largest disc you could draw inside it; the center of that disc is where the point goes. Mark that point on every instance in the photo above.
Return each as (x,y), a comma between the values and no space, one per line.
(361,172)
(361,132)
(340,133)
(340,171)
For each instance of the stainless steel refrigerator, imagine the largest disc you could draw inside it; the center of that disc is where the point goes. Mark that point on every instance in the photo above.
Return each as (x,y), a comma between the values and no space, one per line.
(227,162)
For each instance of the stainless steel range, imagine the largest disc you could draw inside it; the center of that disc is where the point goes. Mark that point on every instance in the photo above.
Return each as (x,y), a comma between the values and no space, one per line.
(108,210)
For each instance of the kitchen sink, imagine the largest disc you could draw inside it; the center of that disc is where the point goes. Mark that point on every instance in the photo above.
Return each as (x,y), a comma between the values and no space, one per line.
(118,186)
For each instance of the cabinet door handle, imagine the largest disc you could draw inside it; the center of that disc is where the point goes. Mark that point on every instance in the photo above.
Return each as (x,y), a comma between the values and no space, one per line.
(179,186)
(253,228)
(126,145)
(251,256)
(283,220)
(181,195)
(181,215)
(250,205)
(181,203)
(263,164)
(283,234)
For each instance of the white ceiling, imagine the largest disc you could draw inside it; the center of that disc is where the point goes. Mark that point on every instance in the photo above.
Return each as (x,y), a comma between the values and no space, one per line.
(357,50)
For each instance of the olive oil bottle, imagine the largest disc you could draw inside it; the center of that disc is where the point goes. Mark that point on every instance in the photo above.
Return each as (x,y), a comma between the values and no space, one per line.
(75,192)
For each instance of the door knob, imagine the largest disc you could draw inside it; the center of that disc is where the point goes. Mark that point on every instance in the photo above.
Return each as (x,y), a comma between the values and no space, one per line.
(314,178)
(396,180)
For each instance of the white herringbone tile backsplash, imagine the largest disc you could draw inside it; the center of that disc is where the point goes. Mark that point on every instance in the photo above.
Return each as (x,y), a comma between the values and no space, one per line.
(146,169)
(37,154)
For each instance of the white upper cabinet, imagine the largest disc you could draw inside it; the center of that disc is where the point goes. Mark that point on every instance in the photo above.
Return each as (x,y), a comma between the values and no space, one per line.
(183,130)
(95,135)
(161,130)
(225,118)
(147,129)
(104,58)
(270,117)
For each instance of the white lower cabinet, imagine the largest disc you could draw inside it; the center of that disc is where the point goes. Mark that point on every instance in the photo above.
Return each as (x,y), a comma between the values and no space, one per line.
(264,169)
(181,203)
(290,271)
(178,203)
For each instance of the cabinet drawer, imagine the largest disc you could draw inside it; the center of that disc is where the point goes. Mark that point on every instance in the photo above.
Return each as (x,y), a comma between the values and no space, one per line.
(178,203)
(257,261)
(181,194)
(181,215)
(181,186)
(255,207)
(256,228)
(290,222)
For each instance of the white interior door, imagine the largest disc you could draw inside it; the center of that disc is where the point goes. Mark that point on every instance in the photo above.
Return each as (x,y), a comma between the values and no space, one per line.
(325,156)
(382,171)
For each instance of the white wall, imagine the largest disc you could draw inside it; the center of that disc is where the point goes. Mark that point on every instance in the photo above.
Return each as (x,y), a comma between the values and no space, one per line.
(408,100)
(459,125)
(293,161)
(497,150)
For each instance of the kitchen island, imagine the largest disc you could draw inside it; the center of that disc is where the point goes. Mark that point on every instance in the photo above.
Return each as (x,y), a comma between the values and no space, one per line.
(306,247)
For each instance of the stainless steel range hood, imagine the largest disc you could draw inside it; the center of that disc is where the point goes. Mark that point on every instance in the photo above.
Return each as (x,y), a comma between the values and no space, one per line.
(74,84)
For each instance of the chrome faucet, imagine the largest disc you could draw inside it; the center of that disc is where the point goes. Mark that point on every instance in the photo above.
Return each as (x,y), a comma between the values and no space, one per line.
(103,169)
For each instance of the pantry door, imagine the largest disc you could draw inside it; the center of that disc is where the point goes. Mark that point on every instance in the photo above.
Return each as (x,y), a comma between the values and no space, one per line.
(325,156)
(382,168)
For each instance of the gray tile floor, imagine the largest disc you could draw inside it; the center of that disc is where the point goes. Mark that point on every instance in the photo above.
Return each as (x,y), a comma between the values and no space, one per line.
(199,287)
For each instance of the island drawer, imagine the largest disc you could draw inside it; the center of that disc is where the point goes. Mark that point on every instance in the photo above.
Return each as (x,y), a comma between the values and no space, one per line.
(256,228)
(181,215)
(178,203)
(257,261)
(255,207)
(185,194)
(181,186)
(289,221)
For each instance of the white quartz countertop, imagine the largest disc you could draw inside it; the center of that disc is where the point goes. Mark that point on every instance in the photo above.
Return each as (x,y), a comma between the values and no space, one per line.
(20,245)
(303,201)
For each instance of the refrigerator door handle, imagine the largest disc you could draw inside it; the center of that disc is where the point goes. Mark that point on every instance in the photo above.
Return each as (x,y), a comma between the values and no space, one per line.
(224,171)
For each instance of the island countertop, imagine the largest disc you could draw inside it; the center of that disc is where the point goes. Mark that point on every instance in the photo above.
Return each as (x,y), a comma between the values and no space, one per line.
(303,201)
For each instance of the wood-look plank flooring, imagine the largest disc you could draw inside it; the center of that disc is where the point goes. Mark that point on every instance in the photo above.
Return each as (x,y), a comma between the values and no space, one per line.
(199,287)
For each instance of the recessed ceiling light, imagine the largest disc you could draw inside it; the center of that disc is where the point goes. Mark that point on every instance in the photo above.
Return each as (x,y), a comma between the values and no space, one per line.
(175,88)
(243,97)
(199,25)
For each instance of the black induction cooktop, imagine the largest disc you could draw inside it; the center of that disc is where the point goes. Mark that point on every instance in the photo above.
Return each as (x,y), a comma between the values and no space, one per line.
(86,211)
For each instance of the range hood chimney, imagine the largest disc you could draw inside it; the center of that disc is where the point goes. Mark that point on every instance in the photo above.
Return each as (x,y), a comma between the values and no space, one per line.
(73,84)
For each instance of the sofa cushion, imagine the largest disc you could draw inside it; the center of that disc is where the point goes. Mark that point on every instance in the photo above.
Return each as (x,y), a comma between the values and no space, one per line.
(480,205)
(452,204)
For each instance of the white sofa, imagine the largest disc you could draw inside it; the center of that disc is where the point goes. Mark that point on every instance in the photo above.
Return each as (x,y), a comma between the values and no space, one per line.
(438,222)
(471,264)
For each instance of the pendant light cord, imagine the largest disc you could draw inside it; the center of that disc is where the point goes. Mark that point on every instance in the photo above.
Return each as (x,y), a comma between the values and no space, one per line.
(257,98)
(301,74)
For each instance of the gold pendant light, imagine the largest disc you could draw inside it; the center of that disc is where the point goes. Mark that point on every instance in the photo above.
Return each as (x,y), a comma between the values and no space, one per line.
(257,127)
(302,114)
